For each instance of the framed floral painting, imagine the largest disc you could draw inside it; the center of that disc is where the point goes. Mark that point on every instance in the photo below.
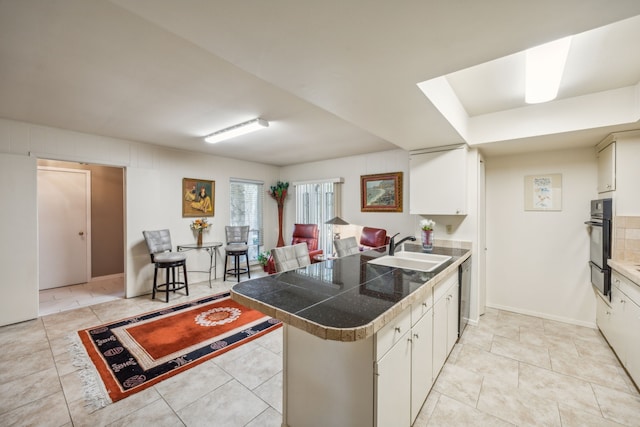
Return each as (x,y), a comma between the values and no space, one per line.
(198,197)
(381,192)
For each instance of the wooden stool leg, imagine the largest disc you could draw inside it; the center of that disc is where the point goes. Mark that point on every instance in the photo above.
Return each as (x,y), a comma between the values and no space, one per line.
(248,270)
(186,284)
(167,286)
(155,281)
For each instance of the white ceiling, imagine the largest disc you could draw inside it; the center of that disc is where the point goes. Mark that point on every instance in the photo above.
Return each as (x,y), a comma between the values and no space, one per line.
(334,78)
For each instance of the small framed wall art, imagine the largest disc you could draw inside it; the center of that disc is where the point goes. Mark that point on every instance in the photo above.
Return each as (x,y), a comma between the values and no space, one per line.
(381,192)
(543,192)
(198,197)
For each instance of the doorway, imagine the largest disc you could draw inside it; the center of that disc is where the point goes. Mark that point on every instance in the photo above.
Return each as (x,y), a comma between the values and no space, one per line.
(104,237)
(64,212)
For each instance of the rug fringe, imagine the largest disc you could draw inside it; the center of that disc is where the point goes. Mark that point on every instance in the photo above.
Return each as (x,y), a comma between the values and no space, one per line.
(95,395)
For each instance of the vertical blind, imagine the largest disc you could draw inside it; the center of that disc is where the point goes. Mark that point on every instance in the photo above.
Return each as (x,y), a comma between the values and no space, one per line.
(316,203)
(246,201)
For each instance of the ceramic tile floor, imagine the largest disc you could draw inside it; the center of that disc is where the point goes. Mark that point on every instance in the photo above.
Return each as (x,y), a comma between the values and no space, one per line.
(65,298)
(509,370)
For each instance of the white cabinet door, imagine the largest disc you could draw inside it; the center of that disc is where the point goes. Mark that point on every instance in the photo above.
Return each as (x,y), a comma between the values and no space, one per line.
(393,385)
(445,320)
(438,182)
(439,335)
(607,168)
(421,363)
(616,337)
(452,317)
(632,316)
(603,317)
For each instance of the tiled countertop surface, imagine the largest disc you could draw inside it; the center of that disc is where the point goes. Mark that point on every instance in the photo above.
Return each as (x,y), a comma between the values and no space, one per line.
(631,270)
(345,299)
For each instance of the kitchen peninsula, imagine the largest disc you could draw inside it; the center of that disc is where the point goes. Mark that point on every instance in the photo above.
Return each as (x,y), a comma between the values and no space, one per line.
(362,342)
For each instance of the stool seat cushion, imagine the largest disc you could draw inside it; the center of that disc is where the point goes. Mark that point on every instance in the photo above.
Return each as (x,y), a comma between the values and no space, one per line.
(236,248)
(169,257)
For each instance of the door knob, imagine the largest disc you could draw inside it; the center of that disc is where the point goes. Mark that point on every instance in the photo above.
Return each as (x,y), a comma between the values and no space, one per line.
(81,233)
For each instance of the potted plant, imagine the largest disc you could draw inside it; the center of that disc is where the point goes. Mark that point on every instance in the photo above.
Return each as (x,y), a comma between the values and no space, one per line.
(427,225)
(279,192)
(263,259)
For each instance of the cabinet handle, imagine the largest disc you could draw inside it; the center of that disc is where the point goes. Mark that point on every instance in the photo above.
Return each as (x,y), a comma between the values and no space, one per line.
(617,280)
(409,340)
(424,304)
(416,336)
(607,313)
(397,329)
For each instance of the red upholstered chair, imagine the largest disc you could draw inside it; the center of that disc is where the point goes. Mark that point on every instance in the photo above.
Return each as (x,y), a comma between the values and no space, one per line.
(373,238)
(302,233)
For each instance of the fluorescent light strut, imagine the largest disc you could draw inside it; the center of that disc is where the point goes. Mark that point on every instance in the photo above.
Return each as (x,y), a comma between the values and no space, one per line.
(237,130)
(544,68)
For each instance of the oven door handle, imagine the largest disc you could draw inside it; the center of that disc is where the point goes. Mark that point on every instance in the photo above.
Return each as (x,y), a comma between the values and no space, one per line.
(594,223)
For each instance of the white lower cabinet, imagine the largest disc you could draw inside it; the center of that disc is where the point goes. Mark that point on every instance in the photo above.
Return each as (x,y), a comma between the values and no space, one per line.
(603,317)
(632,315)
(620,322)
(393,385)
(382,380)
(445,321)
(421,363)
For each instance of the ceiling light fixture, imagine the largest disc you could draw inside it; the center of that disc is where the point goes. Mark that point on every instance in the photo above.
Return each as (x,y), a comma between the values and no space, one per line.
(544,68)
(237,130)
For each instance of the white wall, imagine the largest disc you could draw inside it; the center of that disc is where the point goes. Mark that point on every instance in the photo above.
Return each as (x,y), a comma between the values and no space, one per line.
(18,239)
(537,261)
(351,168)
(153,189)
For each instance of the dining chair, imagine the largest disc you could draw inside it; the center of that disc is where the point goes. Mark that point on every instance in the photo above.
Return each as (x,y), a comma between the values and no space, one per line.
(291,257)
(346,246)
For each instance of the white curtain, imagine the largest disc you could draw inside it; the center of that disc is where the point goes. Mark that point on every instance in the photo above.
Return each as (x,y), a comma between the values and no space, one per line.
(316,203)
(246,201)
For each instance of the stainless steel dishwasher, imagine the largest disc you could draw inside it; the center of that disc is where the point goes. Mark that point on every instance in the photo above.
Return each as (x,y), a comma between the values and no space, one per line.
(464,283)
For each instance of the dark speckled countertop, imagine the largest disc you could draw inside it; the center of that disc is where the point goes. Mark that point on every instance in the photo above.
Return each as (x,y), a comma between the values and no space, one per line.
(345,299)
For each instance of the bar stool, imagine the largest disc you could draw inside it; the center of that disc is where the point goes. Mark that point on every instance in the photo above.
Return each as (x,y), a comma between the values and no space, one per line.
(237,239)
(159,245)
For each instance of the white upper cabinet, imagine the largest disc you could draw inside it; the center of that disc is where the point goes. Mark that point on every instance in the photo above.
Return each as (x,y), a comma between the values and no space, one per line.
(607,168)
(618,171)
(438,181)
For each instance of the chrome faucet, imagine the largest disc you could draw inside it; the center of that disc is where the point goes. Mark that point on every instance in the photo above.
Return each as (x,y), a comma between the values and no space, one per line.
(393,245)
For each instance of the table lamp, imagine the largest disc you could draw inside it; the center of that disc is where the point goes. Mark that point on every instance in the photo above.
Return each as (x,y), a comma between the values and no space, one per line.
(336,220)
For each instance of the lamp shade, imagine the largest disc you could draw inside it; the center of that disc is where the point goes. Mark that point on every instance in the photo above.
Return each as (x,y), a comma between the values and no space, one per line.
(336,220)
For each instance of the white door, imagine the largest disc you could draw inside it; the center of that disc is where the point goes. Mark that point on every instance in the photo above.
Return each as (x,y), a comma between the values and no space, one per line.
(63,226)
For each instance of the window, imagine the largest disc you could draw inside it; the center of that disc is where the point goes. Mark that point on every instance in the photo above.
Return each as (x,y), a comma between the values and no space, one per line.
(316,203)
(246,200)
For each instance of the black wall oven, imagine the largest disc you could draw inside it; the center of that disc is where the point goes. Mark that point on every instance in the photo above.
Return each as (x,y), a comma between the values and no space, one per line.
(600,246)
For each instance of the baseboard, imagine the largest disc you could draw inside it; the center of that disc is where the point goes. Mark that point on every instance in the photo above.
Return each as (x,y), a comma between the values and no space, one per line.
(107,277)
(591,325)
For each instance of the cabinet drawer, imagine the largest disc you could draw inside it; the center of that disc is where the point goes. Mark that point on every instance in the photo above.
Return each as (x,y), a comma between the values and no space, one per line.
(392,332)
(444,286)
(420,308)
(625,285)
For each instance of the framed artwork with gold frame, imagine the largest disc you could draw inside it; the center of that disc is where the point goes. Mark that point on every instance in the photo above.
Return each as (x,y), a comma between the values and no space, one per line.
(198,197)
(381,192)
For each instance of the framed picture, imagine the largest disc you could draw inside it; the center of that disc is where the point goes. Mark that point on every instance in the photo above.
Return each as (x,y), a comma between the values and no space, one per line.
(198,197)
(543,192)
(381,192)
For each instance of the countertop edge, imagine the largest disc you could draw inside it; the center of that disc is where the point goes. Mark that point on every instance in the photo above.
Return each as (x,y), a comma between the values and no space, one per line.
(350,334)
(626,268)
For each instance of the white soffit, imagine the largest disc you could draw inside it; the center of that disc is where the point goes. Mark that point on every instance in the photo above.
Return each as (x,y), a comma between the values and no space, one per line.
(600,87)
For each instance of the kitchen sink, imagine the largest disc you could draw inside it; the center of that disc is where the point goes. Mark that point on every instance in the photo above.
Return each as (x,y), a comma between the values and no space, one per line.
(412,261)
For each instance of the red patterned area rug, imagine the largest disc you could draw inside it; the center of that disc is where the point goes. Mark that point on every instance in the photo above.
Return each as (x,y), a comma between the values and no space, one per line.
(135,353)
